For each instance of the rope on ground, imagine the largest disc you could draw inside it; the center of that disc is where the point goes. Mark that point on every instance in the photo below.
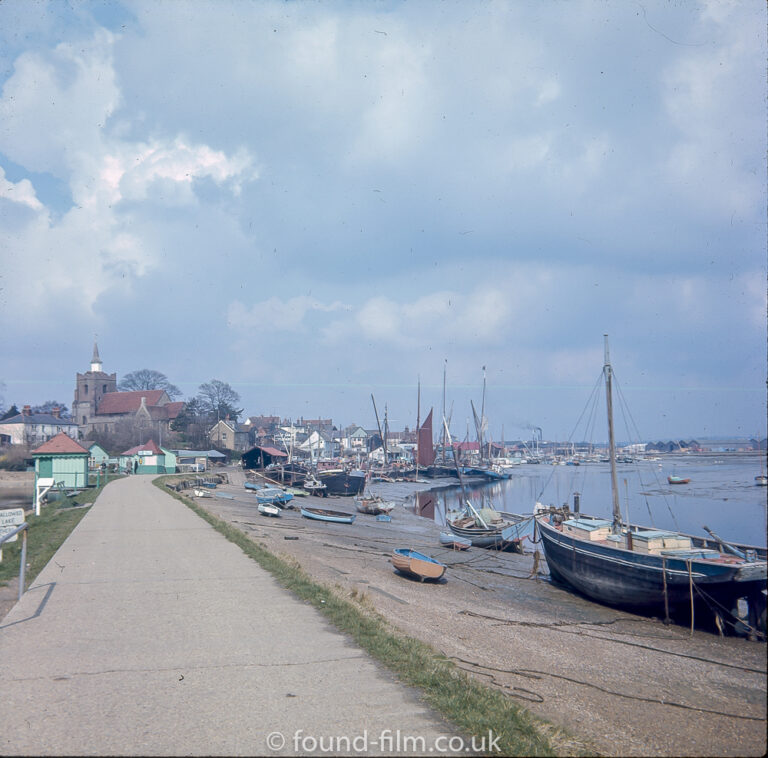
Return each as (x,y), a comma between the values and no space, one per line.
(561,626)
(534,674)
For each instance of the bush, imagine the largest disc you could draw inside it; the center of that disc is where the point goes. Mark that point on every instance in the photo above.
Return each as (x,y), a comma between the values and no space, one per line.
(14,459)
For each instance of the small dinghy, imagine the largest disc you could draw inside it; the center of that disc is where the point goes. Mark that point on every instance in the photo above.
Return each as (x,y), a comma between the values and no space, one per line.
(320,514)
(202,493)
(268,509)
(678,480)
(413,563)
(454,541)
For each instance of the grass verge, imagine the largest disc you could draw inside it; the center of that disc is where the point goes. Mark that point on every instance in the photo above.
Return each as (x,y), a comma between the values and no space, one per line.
(45,534)
(472,707)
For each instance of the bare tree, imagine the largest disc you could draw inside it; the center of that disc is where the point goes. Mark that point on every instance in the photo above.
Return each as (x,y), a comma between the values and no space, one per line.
(148,379)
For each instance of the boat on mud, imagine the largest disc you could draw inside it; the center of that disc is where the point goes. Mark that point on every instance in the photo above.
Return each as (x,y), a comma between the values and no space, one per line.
(321,514)
(418,565)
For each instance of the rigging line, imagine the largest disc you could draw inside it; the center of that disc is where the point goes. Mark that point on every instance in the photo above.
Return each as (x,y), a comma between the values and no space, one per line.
(570,438)
(659,701)
(625,407)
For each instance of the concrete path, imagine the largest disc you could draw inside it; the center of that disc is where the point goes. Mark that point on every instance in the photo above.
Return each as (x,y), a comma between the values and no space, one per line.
(149,633)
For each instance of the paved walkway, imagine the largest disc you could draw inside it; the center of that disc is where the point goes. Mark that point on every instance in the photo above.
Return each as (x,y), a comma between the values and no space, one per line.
(150,633)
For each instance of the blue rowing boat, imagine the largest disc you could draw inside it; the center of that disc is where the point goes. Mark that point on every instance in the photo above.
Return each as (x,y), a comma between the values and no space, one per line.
(335,517)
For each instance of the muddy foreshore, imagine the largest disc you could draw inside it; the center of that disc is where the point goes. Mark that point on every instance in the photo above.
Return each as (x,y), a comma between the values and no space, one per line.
(620,684)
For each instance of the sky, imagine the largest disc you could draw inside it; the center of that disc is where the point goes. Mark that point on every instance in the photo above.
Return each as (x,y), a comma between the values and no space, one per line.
(317,202)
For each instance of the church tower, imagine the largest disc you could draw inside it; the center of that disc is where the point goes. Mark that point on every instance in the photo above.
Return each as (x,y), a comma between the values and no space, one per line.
(90,387)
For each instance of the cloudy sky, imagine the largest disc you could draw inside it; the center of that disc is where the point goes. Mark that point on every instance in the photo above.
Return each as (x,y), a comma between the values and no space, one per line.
(316,201)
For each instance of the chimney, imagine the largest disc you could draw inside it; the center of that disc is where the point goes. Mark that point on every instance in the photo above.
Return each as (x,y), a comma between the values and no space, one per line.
(27,410)
(56,412)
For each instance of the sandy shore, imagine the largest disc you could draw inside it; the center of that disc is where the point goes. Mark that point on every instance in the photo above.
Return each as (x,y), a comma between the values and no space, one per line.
(620,684)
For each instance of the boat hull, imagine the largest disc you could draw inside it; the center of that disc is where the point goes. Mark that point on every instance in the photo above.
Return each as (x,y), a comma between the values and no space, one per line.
(334,517)
(636,581)
(417,564)
(343,483)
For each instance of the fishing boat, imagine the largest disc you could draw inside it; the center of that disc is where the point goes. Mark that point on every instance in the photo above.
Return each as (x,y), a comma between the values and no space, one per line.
(339,481)
(273,495)
(314,486)
(268,509)
(678,480)
(336,517)
(454,541)
(649,570)
(417,564)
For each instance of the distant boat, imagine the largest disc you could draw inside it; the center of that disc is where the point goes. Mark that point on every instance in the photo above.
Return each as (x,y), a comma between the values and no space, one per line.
(341,482)
(454,541)
(373,505)
(417,564)
(761,480)
(677,480)
(314,486)
(319,514)
(268,509)
(273,495)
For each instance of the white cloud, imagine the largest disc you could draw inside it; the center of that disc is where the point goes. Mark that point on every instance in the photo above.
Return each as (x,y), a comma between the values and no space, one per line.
(275,314)
(22,192)
(55,108)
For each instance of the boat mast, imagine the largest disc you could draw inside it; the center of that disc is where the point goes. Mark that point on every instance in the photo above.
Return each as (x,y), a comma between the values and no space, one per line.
(445,368)
(608,373)
(482,422)
(378,424)
(418,421)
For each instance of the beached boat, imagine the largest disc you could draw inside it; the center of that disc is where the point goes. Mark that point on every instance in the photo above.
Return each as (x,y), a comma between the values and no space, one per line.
(650,570)
(678,480)
(341,482)
(454,541)
(417,564)
(268,509)
(485,527)
(314,486)
(202,493)
(373,505)
(273,495)
(320,514)
(385,517)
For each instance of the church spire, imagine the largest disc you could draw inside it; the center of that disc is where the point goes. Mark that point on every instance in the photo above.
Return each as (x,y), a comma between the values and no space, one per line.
(96,361)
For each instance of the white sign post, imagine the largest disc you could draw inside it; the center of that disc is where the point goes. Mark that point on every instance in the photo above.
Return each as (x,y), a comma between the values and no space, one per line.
(9,520)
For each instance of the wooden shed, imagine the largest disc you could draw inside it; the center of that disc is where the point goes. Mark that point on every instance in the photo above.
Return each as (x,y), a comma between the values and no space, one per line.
(64,460)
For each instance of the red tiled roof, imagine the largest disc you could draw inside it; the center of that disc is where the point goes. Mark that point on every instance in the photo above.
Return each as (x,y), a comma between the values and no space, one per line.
(126,402)
(151,446)
(274,451)
(166,412)
(61,443)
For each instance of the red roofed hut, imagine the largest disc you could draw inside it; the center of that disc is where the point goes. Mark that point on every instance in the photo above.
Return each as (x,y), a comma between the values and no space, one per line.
(63,460)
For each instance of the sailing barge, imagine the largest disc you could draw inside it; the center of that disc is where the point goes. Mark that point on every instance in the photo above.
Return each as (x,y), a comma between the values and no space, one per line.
(649,570)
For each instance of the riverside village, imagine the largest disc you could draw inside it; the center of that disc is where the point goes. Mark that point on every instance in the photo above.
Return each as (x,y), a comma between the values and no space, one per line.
(506,595)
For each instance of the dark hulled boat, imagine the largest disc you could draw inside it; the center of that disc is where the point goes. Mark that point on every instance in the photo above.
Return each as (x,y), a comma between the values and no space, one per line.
(339,481)
(648,570)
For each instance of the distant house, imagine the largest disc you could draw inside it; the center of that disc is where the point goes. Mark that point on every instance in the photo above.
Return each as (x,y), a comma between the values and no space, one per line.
(320,445)
(35,428)
(355,438)
(148,458)
(229,435)
(62,459)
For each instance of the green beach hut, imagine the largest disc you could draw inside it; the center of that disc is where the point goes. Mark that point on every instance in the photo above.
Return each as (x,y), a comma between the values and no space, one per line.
(64,460)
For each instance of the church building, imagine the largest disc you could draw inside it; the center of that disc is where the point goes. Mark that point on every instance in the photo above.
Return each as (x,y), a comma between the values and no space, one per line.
(98,405)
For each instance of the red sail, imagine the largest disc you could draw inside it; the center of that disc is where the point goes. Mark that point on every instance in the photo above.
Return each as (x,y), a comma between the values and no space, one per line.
(426,450)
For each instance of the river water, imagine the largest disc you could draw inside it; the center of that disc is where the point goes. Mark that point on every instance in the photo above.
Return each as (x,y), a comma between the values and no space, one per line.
(721,495)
